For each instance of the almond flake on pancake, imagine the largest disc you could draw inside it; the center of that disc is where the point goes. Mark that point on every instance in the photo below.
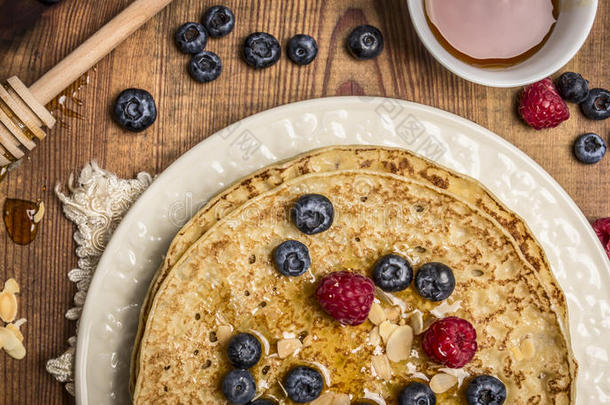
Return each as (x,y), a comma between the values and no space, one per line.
(412,371)
(444,308)
(458,373)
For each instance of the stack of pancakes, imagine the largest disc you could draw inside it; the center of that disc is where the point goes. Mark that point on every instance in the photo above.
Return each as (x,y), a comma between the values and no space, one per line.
(218,276)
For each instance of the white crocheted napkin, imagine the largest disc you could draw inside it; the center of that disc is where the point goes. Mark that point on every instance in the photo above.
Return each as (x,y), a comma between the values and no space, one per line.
(95,203)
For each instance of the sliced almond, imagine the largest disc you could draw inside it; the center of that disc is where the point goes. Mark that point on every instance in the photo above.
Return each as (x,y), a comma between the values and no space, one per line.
(527,348)
(417,322)
(383,296)
(441,311)
(15,331)
(39,214)
(324,399)
(287,347)
(392,313)
(8,340)
(377,314)
(458,373)
(374,338)
(331,398)
(11,286)
(399,344)
(11,343)
(385,330)
(223,334)
(308,341)
(8,306)
(382,367)
(341,399)
(442,382)
(17,352)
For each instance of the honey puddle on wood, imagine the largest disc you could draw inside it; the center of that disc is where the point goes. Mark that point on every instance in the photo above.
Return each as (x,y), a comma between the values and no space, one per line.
(18,218)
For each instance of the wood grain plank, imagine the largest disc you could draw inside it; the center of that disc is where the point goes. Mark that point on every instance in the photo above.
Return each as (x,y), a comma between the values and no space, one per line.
(189,112)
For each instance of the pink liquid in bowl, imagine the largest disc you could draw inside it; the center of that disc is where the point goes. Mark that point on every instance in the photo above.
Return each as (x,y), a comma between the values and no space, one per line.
(492,29)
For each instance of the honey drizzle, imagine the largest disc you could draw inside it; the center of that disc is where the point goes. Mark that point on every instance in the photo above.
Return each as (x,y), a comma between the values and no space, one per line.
(59,105)
(492,62)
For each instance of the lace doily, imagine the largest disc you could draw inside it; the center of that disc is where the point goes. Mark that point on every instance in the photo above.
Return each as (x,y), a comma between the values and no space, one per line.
(95,204)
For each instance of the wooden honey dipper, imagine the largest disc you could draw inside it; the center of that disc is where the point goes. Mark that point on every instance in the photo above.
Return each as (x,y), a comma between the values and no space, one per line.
(22,110)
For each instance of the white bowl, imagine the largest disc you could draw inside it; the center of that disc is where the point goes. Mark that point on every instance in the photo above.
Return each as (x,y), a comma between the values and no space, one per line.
(571,30)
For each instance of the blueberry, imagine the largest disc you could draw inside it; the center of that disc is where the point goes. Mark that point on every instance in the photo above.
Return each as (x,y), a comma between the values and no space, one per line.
(434,281)
(244,350)
(416,394)
(50,2)
(263,401)
(597,105)
(302,49)
(239,387)
(261,50)
(205,67)
(303,384)
(191,37)
(485,390)
(365,42)
(291,258)
(392,273)
(572,87)
(589,148)
(135,110)
(219,21)
(312,213)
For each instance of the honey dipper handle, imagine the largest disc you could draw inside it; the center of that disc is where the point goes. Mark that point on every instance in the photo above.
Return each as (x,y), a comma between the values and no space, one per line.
(95,48)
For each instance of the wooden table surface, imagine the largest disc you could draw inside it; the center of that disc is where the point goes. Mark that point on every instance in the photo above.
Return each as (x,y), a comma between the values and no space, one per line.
(189,112)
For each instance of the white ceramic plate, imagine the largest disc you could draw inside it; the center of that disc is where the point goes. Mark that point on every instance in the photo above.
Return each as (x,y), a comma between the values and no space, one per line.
(109,319)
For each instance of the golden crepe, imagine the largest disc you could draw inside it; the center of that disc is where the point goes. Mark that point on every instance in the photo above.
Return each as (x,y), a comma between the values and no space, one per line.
(226,280)
(383,159)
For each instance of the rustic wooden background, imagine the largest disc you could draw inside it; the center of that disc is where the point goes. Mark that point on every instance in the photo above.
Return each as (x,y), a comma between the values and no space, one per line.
(35,38)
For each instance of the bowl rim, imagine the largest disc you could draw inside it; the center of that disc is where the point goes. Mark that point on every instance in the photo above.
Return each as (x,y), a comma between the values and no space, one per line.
(449,61)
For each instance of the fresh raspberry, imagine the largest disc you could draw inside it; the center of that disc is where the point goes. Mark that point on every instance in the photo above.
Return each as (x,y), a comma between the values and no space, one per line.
(541,106)
(602,229)
(346,296)
(451,341)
